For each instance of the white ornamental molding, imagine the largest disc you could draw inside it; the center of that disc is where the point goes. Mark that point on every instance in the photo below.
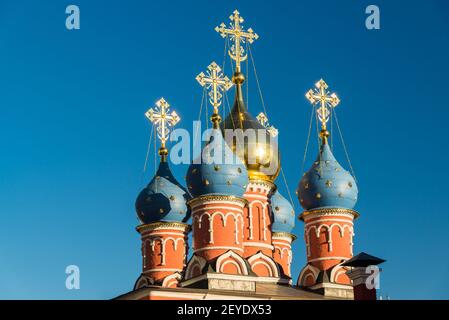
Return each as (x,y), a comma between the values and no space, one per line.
(268,262)
(231,257)
(224,218)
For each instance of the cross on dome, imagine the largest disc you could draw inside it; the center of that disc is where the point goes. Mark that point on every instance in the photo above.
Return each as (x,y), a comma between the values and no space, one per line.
(216,83)
(239,36)
(161,117)
(320,95)
(263,120)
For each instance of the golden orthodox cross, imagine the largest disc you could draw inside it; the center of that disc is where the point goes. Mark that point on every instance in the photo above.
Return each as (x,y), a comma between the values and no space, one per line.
(320,95)
(263,120)
(163,120)
(239,36)
(216,83)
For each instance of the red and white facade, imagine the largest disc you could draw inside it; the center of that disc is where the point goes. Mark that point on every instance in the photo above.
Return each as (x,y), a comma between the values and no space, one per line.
(217,223)
(328,234)
(164,253)
(258,245)
(282,251)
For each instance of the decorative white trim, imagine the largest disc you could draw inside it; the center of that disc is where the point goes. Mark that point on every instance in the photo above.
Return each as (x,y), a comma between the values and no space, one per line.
(328,236)
(195,261)
(314,272)
(250,224)
(265,187)
(338,274)
(327,220)
(157,233)
(224,218)
(307,236)
(144,254)
(258,245)
(287,238)
(322,226)
(152,242)
(289,262)
(218,248)
(269,262)
(263,212)
(329,258)
(238,204)
(147,229)
(251,196)
(329,228)
(171,278)
(288,245)
(282,251)
(234,257)
(315,215)
(209,208)
(264,219)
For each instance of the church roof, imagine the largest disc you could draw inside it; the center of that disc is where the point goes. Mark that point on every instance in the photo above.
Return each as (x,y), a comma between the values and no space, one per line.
(363,260)
(260,154)
(218,172)
(163,199)
(283,214)
(327,184)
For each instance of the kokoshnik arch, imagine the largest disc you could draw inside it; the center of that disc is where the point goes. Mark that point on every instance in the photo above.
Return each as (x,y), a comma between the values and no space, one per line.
(241,226)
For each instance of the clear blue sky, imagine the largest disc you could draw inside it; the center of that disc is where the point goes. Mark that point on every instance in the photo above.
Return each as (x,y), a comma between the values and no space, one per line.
(73,135)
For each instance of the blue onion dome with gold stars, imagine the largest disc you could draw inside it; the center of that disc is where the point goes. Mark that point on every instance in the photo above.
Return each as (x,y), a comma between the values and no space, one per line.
(283,214)
(327,184)
(219,172)
(164,199)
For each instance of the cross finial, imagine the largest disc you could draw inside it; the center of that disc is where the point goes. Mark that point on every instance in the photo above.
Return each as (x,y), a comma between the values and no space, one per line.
(216,83)
(320,95)
(239,36)
(263,120)
(163,120)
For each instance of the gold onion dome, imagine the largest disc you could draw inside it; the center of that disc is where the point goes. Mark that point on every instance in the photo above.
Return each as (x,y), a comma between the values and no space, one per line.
(260,155)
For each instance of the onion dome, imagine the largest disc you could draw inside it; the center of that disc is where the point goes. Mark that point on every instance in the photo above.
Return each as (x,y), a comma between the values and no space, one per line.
(283,214)
(219,172)
(327,184)
(164,199)
(261,155)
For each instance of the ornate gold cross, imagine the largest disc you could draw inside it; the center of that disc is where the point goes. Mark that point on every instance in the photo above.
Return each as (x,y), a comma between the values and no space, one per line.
(239,36)
(163,120)
(263,120)
(327,100)
(216,83)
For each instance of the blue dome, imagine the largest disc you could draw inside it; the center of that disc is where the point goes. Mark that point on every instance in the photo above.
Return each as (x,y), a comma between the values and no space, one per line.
(327,184)
(283,214)
(220,172)
(164,199)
